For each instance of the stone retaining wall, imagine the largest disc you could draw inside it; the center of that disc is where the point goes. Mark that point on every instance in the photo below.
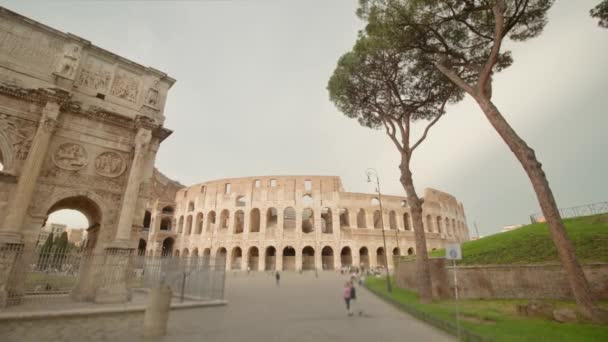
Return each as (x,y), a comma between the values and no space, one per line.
(503,281)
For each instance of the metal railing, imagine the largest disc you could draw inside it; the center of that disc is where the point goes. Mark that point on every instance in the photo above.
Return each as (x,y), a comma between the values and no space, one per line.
(51,275)
(581,210)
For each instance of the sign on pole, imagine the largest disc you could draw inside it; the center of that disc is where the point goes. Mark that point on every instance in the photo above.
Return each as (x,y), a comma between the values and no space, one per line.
(453,251)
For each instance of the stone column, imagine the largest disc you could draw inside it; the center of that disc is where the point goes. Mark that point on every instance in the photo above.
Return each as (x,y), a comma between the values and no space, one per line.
(117,254)
(319,258)
(298,256)
(262,258)
(10,231)
(127,211)
(279,257)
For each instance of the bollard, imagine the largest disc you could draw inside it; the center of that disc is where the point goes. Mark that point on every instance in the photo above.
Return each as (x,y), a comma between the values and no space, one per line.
(157,312)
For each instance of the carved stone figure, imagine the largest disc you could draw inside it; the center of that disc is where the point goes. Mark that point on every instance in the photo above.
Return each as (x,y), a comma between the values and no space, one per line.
(152,97)
(109,164)
(125,86)
(95,75)
(69,63)
(20,134)
(70,156)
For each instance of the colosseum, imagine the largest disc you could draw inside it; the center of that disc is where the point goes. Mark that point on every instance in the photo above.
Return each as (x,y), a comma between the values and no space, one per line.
(291,223)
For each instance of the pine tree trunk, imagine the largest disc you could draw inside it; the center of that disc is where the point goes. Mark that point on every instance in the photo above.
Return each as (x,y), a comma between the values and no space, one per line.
(425,289)
(527,158)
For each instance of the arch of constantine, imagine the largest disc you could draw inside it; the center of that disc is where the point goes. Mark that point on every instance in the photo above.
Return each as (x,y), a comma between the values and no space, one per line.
(79,129)
(296,223)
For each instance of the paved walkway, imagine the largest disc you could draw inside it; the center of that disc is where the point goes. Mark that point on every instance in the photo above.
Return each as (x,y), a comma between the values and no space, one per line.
(302,308)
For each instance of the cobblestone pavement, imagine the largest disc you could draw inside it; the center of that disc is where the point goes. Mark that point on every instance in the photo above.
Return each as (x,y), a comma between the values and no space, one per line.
(302,308)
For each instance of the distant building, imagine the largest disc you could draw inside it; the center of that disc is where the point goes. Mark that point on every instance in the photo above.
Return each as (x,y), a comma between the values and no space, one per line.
(49,228)
(75,236)
(510,228)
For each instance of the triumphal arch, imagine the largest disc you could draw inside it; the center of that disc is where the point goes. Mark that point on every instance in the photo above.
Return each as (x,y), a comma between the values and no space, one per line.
(79,129)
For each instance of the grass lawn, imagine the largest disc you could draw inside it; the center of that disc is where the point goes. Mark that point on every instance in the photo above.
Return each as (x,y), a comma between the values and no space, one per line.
(497,319)
(533,244)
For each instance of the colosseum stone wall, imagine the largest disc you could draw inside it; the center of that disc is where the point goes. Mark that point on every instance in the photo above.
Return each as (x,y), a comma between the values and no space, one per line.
(297,223)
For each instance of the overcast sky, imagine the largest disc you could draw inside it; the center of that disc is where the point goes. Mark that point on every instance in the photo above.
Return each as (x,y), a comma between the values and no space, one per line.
(251,99)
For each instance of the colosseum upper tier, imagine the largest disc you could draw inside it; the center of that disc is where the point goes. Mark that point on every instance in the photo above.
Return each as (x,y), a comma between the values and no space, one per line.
(295,223)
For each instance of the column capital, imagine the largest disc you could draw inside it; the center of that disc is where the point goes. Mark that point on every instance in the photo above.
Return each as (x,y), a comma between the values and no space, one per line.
(144,122)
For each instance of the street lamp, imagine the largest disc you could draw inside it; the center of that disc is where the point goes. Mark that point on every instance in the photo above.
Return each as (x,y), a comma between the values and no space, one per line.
(372,172)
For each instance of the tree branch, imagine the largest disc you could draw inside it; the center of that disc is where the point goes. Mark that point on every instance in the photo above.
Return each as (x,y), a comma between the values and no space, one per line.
(433,122)
(386,123)
(484,77)
(455,78)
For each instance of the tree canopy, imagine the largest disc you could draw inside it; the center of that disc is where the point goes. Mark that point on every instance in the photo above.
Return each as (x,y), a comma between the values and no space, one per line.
(381,85)
(463,36)
(601,12)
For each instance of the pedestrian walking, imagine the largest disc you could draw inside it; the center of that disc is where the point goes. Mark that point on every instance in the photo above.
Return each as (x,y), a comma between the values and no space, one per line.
(353,299)
(277,276)
(347,294)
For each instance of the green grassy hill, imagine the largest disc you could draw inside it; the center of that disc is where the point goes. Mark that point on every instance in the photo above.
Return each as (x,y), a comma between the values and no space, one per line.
(533,244)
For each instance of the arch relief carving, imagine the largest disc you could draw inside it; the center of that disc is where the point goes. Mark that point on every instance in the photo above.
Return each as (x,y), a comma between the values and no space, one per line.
(70,156)
(110,164)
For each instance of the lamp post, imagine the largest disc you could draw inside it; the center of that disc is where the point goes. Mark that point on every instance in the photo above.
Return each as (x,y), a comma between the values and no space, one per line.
(369,172)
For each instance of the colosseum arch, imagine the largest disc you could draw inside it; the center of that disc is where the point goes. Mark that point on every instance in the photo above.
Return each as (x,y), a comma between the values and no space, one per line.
(167,247)
(254,220)
(180,225)
(380,256)
(308,221)
(199,223)
(165,224)
(327,258)
(240,201)
(406,221)
(308,258)
(272,218)
(344,219)
(346,257)
(239,222)
(429,223)
(190,206)
(361,219)
(289,259)
(194,253)
(189,225)
(447,226)
(378,220)
(270,258)
(185,253)
(392,220)
(236,258)
(224,218)
(221,258)
(326,221)
(210,221)
(253,258)
(439,224)
(364,257)
(410,251)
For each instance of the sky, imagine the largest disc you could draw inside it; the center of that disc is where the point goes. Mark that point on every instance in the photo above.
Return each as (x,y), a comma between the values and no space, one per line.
(251,99)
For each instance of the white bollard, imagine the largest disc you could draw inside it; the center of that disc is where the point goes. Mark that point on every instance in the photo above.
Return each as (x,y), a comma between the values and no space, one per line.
(157,312)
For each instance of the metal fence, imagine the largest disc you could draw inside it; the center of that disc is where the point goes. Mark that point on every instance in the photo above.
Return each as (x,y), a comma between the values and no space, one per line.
(581,210)
(52,276)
